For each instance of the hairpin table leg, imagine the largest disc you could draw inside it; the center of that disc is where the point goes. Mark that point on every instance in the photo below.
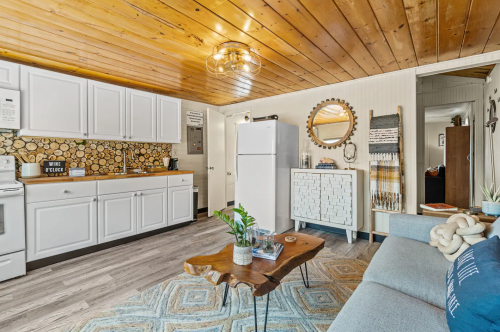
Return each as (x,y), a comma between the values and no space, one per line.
(225,295)
(306,280)
(255,312)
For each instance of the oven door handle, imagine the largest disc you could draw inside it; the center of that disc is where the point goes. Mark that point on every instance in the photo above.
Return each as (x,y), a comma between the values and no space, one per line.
(12,192)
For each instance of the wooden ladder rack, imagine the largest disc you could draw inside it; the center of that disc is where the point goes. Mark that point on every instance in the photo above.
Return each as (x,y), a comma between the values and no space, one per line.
(401,182)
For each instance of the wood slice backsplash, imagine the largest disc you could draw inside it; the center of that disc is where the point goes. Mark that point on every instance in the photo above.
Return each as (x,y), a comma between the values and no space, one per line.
(98,157)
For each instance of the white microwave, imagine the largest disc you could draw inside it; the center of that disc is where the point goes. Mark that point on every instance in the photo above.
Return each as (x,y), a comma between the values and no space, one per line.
(10,109)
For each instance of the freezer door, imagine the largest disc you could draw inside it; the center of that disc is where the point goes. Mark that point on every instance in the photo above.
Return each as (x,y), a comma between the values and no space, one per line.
(256,188)
(257,138)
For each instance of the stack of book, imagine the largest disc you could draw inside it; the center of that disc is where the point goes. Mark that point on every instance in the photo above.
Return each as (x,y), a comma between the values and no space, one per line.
(76,171)
(259,252)
(326,166)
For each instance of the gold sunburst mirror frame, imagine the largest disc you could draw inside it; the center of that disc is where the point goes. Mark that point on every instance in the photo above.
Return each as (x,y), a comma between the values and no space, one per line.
(329,112)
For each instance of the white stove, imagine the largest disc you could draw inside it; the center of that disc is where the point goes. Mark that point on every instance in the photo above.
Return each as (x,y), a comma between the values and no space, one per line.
(12,229)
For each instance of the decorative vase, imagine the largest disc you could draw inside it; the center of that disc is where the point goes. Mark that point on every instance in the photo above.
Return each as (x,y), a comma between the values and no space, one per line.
(305,156)
(491,208)
(242,255)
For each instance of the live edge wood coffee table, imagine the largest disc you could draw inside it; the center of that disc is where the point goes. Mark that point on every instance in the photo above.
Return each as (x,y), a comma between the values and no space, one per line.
(262,275)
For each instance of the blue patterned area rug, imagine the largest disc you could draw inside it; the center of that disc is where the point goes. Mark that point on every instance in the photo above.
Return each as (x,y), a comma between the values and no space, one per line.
(186,303)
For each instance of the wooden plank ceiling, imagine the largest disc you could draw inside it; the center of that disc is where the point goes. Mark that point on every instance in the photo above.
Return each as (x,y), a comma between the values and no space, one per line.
(161,45)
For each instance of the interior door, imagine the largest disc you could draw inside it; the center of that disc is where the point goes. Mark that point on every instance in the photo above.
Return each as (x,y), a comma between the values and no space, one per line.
(457,166)
(152,210)
(141,116)
(106,111)
(216,146)
(117,216)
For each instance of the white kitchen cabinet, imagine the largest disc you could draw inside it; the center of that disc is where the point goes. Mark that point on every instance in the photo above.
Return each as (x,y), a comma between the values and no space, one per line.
(152,208)
(9,75)
(169,120)
(180,204)
(52,104)
(106,111)
(141,116)
(56,227)
(117,216)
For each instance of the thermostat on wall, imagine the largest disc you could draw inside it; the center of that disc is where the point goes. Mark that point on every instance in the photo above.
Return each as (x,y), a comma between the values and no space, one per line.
(10,109)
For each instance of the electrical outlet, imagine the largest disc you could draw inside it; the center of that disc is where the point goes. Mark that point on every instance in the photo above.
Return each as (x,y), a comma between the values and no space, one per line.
(174,153)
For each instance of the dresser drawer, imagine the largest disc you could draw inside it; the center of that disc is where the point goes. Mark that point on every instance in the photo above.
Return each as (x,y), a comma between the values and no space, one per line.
(56,191)
(180,180)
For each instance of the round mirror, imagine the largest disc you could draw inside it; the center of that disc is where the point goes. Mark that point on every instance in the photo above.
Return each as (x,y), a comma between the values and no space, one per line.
(331,123)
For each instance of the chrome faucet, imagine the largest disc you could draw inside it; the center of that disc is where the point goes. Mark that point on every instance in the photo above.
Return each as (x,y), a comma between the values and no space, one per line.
(125,159)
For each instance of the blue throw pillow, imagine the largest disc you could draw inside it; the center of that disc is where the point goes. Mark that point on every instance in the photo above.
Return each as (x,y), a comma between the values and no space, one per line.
(473,294)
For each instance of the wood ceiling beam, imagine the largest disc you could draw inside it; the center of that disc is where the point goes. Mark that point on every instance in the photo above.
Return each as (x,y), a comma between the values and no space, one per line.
(333,21)
(452,19)
(482,18)
(298,16)
(362,19)
(391,17)
(421,15)
(265,22)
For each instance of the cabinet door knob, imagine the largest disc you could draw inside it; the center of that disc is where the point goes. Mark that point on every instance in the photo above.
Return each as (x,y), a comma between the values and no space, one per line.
(135,194)
(130,137)
(124,137)
(140,194)
(95,199)
(66,191)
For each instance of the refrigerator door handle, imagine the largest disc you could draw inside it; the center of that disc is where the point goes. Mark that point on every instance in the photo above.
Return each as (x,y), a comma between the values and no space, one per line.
(236,155)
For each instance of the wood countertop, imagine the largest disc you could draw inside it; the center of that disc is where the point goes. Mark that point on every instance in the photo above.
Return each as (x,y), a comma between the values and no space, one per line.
(57,179)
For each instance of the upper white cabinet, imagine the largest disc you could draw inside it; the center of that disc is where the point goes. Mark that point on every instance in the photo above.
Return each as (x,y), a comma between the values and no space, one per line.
(9,75)
(106,109)
(141,116)
(169,120)
(52,104)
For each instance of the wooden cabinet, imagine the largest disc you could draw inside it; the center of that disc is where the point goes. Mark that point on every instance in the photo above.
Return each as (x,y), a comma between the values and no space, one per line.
(106,111)
(141,116)
(9,75)
(152,209)
(180,204)
(328,197)
(169,120)
(52,104)
(56,227)
(117,216)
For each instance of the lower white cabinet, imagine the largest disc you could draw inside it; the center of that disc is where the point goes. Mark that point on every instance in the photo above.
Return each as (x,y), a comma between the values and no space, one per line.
(152,209)
(180,204)
(56,227)
(117,216)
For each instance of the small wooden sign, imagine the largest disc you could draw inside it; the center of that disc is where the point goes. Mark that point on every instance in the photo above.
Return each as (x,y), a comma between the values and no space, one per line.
(54,166)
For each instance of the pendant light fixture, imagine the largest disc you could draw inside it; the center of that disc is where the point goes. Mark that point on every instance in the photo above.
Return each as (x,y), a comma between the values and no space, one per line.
(233,58)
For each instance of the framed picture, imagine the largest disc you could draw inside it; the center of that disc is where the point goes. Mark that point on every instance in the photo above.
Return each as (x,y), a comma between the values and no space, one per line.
(441,139)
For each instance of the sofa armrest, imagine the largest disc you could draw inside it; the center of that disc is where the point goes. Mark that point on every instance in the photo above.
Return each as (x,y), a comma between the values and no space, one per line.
(411,226)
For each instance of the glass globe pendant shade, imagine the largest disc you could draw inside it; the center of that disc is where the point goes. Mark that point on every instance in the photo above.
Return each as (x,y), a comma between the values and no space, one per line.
(233,58)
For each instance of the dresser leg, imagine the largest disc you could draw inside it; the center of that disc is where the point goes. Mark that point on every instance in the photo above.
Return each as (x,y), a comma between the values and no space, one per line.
(349,236)
(297,225)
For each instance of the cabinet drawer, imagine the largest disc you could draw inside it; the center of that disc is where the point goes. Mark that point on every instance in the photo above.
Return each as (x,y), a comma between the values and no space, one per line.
(106,187)
(180,180)
(56,191)
(12,265)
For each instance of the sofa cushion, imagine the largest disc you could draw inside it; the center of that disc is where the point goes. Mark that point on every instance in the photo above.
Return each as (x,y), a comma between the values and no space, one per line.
(474,289)
(493,229)
(411,267)
(374,307)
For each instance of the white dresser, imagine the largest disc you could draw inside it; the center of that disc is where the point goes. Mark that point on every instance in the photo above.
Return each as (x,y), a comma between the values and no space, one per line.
(328,197)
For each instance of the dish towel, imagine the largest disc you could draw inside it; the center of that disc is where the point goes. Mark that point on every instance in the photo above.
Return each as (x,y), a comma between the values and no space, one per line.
(385,180)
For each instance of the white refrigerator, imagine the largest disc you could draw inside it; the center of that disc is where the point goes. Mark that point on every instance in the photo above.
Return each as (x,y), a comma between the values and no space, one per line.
(266,151)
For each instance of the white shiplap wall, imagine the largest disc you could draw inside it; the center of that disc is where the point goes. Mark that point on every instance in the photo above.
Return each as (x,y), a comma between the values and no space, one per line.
(489,91)
(382,94)
(196,163)
(442,90)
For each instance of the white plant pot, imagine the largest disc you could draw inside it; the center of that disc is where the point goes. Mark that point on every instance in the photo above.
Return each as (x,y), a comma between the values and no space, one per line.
(242,255)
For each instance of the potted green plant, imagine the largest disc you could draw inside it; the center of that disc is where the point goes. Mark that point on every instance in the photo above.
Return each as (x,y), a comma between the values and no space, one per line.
(241,229)
(492,204)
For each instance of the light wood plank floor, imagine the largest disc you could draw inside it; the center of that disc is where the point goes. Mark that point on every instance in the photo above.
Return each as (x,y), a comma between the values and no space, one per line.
(50,298)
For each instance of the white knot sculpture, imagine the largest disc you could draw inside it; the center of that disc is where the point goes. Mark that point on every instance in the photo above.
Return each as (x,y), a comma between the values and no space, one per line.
(458,233)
